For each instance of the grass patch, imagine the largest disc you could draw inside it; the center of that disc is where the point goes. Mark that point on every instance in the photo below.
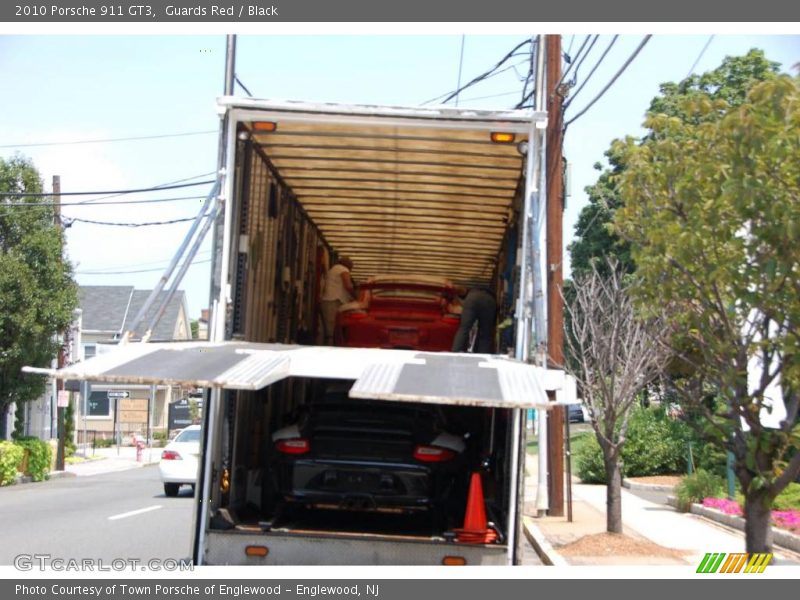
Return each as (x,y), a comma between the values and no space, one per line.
(73,460)
(575,438)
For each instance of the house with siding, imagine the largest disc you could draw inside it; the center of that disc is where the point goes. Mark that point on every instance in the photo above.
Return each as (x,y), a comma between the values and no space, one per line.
(107,311)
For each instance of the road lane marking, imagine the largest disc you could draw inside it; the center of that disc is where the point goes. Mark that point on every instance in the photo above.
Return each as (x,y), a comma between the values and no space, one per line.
(134,512)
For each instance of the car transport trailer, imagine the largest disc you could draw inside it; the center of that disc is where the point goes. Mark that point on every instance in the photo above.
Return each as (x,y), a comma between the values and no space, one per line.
(440,191)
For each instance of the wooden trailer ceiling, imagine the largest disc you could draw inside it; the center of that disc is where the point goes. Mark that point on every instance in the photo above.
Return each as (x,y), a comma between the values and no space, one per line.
(400,199)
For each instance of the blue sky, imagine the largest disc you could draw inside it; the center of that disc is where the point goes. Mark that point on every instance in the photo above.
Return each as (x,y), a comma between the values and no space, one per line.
(72,88)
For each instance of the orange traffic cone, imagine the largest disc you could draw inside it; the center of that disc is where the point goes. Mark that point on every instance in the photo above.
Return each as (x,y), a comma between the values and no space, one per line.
(475,530)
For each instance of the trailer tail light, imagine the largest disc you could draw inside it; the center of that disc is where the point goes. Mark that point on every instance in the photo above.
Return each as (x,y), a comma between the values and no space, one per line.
(265,126)
(293,446)
(454,561)
(260,551)
(433,454)
(170,455)
(499,137)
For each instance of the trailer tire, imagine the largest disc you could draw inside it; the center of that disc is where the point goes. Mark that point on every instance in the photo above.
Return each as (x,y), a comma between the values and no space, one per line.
(171,489)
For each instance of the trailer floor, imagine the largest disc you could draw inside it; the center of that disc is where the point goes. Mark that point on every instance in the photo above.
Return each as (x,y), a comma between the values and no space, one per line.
(296,519)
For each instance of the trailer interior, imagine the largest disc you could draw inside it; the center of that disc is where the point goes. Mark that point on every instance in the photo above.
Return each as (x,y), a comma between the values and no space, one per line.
(399,191)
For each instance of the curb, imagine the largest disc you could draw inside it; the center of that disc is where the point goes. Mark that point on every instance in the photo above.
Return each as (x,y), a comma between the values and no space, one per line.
(540,544)
(780,537)
(23,479)
(61,474)
(647,487)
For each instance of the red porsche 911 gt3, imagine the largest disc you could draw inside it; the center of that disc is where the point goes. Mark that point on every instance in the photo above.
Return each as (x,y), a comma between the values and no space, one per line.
(412,312)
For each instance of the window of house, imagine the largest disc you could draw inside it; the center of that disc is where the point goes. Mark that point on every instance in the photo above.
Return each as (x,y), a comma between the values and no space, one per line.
(99,405)
(89,351)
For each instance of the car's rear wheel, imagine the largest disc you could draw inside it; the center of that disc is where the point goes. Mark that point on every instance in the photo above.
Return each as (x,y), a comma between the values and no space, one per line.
(171,489)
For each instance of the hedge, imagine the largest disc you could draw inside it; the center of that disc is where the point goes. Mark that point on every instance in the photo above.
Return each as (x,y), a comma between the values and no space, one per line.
(39,457)
(654,445)
(10,456)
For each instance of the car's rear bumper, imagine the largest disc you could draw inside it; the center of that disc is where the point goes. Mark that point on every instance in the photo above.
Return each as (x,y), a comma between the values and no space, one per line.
(178,471)
(354,486)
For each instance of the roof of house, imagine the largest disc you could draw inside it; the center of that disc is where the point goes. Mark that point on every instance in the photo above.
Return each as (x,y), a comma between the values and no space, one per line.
(104,306)
(111,309)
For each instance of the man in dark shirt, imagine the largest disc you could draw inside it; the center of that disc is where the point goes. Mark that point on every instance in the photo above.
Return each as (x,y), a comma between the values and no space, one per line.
(478,306)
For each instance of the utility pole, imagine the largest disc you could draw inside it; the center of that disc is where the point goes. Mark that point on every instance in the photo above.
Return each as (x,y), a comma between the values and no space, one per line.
(60,410)
(555,276)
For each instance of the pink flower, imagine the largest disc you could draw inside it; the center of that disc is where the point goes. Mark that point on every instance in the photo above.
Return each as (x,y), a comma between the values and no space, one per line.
(729,507)
(787,519)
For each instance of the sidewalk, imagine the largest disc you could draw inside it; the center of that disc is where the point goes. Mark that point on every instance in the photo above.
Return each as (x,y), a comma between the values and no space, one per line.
(656,534)
(108,460)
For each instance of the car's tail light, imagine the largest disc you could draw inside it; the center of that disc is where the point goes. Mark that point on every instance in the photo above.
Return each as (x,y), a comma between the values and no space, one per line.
(170,455)
(433,454)
(293,446)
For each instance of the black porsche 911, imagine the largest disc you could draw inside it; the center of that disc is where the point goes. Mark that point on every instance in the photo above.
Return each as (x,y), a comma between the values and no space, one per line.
(363,455)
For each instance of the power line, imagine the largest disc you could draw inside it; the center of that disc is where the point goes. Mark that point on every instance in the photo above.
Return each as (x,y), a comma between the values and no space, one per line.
(529,75)
(514,93)
(159,186)
(482,76)
(460,64)
(241,85)
(115,192)
(196,262)
(107,140)
(160,263)
(117,224)
(120,203)
(589,76)
(699,56)
(580,62)
(613,79)
(493,74)
(572,64)
(571,41)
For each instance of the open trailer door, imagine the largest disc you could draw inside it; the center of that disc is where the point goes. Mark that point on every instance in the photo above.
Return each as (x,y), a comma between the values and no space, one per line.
(402,376)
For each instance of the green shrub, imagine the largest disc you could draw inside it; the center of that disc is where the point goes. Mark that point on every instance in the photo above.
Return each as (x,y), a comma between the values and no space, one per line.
(589,460)
(654,445)
(789,498)
(103,443)
(697,486)
(39,457)
(10,456)
(708,457)
(160,436)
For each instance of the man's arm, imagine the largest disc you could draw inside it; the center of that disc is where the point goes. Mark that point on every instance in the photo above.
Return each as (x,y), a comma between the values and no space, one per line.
(348,283)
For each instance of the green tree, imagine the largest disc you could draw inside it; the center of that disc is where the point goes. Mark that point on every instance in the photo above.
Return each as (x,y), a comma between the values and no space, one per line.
(711,208)
(37,293)
(595,239)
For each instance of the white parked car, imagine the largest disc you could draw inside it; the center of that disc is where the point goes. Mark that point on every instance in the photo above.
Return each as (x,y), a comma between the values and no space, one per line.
(179,458)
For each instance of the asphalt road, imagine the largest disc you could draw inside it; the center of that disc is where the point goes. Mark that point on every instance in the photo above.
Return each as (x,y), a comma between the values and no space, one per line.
(122,515)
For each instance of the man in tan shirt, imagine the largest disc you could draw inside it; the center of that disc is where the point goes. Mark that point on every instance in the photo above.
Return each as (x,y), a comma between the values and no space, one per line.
(338,290)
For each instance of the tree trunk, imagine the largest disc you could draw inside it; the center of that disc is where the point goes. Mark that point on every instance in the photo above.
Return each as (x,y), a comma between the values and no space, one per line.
(613,496)
(757,527)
